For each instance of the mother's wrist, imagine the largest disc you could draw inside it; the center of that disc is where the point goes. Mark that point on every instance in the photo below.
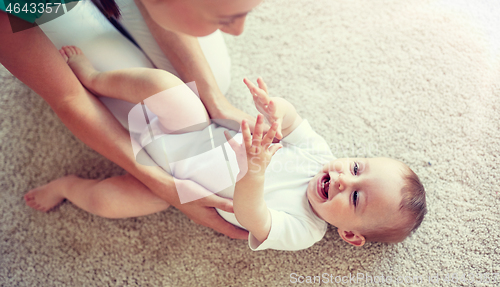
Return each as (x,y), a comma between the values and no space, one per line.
(216,105)
(158,181)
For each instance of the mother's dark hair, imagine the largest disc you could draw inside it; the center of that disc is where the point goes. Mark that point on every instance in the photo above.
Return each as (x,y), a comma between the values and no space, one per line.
(108,8)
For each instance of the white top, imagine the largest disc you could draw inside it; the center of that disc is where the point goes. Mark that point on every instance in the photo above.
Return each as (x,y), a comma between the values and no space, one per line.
(294,225)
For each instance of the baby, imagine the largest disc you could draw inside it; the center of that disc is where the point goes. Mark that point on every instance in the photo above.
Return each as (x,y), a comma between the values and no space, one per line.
(285,194)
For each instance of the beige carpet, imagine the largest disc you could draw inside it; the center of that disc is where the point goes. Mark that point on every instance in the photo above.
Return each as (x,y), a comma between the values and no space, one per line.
(416,80)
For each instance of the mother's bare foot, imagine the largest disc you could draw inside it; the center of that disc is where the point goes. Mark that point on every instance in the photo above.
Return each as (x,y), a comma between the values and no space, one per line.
(46,197)
(79,63)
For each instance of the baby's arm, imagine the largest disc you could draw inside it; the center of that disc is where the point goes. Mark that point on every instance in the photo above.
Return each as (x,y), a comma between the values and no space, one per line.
(249,206)
(275,109)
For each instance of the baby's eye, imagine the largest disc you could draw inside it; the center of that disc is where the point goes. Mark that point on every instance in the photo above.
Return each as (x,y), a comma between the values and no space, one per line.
(355,198)
(355,168)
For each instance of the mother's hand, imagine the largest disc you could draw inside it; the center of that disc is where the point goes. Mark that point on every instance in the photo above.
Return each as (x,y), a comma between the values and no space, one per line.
(201,211)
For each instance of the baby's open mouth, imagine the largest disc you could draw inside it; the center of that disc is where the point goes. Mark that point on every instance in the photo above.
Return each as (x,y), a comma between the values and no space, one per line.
(325,185)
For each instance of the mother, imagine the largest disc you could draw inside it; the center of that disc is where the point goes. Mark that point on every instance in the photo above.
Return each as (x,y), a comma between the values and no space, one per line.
(169,25)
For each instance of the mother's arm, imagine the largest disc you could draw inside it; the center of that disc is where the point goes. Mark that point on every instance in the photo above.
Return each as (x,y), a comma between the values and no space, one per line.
(187,58)
(32,58)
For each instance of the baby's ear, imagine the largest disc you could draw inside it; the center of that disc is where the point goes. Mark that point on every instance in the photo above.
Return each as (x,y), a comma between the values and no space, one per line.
(352,238)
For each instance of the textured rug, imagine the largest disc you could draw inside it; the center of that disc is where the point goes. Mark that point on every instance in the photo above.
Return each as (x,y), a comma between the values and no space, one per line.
(416,80)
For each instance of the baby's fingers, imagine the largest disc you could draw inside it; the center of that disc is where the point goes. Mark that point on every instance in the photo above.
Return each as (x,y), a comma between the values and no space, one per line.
(258,131)
(268,138)
(262,84)
(271,110)
(247,136)
(273,149)
(257,93)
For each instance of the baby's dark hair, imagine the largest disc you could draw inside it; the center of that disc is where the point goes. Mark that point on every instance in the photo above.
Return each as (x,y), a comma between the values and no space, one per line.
(413,208)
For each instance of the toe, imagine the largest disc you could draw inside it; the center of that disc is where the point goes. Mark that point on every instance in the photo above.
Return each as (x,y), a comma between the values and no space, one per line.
(67,51)
(74,50)
(28,197)
(63,54)
(77,50)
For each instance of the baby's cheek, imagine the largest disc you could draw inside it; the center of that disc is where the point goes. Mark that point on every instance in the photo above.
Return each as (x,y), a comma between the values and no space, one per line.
(339,210)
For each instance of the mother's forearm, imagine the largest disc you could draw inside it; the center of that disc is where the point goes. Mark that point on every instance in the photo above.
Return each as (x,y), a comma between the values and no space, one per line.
(186,56)
(31,57)
(90,121)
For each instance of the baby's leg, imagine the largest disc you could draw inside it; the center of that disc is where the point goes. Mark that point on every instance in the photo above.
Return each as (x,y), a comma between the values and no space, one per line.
(174,103)
(115,197)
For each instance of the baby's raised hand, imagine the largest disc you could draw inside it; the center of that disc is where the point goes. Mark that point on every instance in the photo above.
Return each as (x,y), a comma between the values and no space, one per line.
(269,107)
(257,148)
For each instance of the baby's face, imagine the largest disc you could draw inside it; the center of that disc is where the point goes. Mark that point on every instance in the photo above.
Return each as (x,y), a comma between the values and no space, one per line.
(355,193)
